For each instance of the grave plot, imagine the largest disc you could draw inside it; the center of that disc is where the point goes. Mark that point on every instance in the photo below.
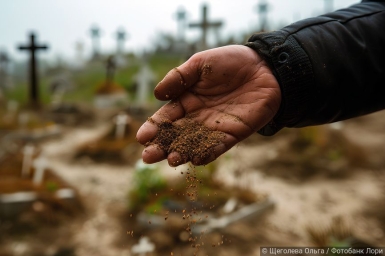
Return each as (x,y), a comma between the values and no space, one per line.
(311,151)
(29,186)
(109,94)
(118,145)
(28,126)
(70,114)
(190,213)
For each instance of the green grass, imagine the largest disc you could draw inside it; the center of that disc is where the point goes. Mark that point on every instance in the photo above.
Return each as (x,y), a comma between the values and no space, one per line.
(92,76)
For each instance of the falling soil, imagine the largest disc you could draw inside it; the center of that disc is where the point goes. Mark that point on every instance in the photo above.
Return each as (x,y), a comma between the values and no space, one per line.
(192,140)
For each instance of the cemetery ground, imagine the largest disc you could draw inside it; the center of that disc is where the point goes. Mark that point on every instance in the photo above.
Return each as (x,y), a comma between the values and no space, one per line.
(327,184)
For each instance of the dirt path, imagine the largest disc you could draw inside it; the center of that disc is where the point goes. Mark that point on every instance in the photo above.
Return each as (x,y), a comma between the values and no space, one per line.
(299,204)
(103,188)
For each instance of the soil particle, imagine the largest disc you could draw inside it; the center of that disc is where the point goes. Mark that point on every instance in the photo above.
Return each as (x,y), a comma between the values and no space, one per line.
(191,139)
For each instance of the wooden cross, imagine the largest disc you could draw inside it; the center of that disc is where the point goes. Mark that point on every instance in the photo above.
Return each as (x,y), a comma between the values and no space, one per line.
(110,70)
(95,35)
(121,36)
(181,19)
(205,25)
(34,89)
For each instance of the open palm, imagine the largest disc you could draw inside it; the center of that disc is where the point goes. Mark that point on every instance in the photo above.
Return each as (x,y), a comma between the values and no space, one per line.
(229,89)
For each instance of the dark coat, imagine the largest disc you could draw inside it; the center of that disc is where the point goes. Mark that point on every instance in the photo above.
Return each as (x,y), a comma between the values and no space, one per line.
(329,68)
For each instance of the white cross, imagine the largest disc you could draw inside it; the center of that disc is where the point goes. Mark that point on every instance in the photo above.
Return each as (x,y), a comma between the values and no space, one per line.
(40,165)
(28,151)
(143,247)
(144,79)
(121,120)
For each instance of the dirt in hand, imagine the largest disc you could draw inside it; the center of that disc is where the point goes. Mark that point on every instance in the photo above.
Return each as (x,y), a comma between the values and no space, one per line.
(192,140)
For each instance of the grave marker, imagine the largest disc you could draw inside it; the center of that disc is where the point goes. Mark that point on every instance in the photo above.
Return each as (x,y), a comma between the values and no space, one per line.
(110,69)
(143,247)
(121,37)
(79,54)
(181,20)
(144,79)
(40,164)
(28,152)
(121,120)
(205,25)
(34,83)
(95,35)
(262,9)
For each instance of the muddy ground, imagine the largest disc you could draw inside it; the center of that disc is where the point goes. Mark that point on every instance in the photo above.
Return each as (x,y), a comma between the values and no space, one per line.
(346,196)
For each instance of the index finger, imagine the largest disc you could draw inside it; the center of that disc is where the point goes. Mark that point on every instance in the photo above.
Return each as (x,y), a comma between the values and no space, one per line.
(178,80)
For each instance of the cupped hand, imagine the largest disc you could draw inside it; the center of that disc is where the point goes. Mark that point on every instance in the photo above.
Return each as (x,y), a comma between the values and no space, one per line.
(229,89)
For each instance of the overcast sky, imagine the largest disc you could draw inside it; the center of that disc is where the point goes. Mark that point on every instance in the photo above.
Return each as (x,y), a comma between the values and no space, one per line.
(63,23)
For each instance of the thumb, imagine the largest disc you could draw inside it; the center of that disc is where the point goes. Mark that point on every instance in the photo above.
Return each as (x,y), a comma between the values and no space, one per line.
(178,80)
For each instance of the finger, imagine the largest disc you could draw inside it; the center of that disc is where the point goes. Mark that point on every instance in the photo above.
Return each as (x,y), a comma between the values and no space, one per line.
(153,154)
(146,132)
(217,151)
(178,80)
(171,111)
(175,158)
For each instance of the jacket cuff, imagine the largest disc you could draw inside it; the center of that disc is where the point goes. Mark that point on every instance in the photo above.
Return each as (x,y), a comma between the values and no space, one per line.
(292,68)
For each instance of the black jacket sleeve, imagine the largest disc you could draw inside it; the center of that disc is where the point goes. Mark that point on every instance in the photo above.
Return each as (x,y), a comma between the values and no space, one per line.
(329,68)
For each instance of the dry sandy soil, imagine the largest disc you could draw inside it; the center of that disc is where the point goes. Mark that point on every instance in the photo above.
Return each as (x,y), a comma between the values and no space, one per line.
(352,201)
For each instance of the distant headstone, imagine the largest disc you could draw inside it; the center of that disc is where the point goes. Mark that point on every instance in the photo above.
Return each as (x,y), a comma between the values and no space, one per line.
(144,80)
(262,9)
(121,37)
(143,247)
(34,83)
(205,25)
(121,120)
(79,54)
(181,20)
(95,36)
(28,152)
(40,165)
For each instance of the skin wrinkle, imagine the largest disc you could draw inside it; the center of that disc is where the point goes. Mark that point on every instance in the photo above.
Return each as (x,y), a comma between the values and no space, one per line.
(183,81)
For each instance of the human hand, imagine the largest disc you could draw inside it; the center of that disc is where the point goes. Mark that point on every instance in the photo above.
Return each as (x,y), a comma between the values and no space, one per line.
(228,89)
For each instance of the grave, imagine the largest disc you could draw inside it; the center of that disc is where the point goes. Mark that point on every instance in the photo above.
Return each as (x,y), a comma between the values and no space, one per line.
(187,213)
(26,180)
(205,25)
(318,150)
(117,146)
(121,37)
(109,94)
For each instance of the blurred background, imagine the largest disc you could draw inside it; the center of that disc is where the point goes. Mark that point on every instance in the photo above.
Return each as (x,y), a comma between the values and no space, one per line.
(76,82)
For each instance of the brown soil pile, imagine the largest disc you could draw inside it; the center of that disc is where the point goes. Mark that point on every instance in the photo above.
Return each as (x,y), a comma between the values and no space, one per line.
(191,140)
